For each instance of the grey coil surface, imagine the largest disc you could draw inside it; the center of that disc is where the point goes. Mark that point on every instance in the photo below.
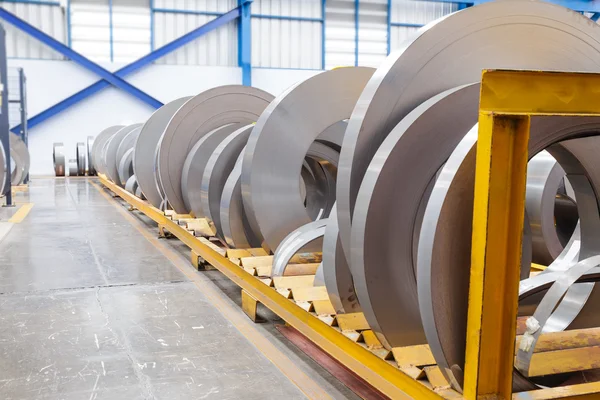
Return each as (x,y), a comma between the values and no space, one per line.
(110,161)
(214,108)
(90,163)
(449,53)
(280,141)
(294,242)
(80,152)
(98,146)
(146,149)
(126,168)
(58,158)
(216,172)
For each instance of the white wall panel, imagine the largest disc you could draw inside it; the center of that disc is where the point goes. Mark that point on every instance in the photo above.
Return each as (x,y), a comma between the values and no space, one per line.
(217,48)
(372,32)
(280,43)
(340,33)
(49,19)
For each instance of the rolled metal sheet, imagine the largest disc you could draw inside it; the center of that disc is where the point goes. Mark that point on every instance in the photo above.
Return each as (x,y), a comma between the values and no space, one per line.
(58,158)
(90,163)
(73,171)
(295,241)
(395,188)
(214,108)
(131,184)
(127,143)
(195,164)
(217,170)
(544,178)
(336,272)
(80,157)
(450,52)
(319,279)
(146,149)
(279,142)
(334,135)
(126,168)
(139,193)
(110,155)
(444,257)
(19,153)
(2,168)
(234,223)
(99,143)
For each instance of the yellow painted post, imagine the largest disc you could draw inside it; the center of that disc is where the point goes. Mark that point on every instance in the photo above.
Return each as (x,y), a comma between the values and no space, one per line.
(496,255)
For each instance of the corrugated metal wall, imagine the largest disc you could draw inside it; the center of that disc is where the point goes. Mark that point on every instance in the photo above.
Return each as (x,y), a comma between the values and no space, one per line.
(49,19)
(216,48)
(278,43)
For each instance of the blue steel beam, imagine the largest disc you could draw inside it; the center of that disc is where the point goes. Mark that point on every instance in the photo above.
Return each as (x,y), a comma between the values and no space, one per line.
(323,17)
(595,17)
(130,68)
(389,26)
(245,42)
(78,58)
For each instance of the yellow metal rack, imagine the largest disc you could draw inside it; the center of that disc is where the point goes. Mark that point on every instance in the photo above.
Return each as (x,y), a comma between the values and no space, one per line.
(508,99)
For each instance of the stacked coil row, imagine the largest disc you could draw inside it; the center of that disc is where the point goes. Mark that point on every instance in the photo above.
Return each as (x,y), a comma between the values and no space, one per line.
(78,166)
(375,168)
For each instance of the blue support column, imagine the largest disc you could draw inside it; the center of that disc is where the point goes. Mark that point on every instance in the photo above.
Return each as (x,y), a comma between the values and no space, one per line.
(151,25)
(68,11)
(245,42)
(389,26)
(78,58)
(4,131)
(595,16)
(130,68)
(110,29)
(356,9)
(324,19)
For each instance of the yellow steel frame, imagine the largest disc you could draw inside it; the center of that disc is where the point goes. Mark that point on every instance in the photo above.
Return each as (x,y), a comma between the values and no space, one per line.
(508,100)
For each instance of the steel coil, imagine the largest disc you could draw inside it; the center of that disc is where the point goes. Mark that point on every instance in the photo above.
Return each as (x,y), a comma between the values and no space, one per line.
(214,108)
(80,157)
(58,158)
(98,146)
(146,147)
(109,159)
(90,164)
(280,141)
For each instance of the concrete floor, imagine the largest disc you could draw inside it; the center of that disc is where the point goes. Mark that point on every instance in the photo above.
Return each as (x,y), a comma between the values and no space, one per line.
(94,306)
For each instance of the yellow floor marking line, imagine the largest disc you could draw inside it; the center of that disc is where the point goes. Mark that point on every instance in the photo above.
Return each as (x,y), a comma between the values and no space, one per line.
(21,213)
(231,312)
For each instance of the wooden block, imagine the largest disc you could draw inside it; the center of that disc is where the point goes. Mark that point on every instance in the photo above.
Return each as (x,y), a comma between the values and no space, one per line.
(306,258)
(179,217)
(413,372)
(375,346)
(264,270)
(251,271)
(285,293)
(257,252)
(238,253)
(436,378)
(222,251)
(201,227)
(266,281)
(301,269)
(310,293)
(328,319)
(565,340)
(236,261)
(305,305)
(323,307)
(352,321)
(418,355)
(255,262)
(562,361)
(353,335)
(293,282)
